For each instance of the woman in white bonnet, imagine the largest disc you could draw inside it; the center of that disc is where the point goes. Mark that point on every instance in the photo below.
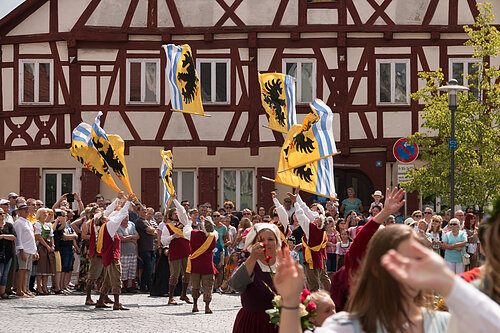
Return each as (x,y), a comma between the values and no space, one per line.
(252,276)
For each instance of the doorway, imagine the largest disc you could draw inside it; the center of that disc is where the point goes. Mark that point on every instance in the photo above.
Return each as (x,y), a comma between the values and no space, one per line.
(363,186)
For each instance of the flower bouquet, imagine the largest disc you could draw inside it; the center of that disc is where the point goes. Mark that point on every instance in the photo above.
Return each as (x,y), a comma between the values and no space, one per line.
(307,309)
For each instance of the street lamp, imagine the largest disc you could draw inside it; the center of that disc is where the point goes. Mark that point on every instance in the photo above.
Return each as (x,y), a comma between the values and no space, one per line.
(453,88)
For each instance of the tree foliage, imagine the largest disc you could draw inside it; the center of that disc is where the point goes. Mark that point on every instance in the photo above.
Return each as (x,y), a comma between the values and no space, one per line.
(477,158)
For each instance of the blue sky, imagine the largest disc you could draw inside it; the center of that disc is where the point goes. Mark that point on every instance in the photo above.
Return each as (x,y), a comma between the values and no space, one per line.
(6,6)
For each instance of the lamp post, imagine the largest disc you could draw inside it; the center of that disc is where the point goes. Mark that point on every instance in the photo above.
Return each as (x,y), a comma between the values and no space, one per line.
(453,88)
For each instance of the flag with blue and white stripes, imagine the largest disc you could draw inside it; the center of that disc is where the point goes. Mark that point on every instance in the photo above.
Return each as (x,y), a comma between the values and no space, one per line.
(314,140)
(278,100)
(166,175)
(185,88)
(83,150)
(325,183)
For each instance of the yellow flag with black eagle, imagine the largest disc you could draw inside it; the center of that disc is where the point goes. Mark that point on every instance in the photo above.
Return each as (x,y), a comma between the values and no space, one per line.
(278,100)
(315,177)
(84,152)
(167,167)
(112,149)
(185,86)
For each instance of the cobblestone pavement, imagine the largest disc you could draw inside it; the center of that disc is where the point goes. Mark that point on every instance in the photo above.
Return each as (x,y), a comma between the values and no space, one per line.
(66,313)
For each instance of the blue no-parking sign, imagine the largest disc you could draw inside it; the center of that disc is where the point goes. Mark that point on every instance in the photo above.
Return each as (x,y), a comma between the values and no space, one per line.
(404,151)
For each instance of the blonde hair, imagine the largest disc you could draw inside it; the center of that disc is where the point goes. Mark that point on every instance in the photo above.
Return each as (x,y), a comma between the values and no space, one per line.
(39,212)
(491,273)
(320,297)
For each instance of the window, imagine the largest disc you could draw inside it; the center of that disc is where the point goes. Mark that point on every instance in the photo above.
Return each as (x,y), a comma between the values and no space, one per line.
(57,183)
(36,84)
(237,186)
(215,80)
(304,72)
(143,81)
(460,68)
(393,81)
(184,184)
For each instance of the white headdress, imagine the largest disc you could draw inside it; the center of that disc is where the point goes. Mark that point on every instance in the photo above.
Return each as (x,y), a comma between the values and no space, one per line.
(256,229)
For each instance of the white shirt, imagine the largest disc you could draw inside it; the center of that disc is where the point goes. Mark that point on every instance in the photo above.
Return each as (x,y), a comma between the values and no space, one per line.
(25,239)
(311,215)
(116,218)
(303,220)
(281,211)
(166,237)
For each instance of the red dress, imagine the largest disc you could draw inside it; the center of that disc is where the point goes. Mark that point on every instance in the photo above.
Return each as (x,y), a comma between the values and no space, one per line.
(255,300)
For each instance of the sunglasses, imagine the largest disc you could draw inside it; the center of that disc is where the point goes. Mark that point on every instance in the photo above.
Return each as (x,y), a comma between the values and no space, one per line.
(436,221)
(247,213)
(452,224)
(417,216)
(2,213)
(267,221)
(228,207)
(186,204)
(427,213)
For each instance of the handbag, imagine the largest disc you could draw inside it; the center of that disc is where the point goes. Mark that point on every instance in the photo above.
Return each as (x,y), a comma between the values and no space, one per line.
(466,258)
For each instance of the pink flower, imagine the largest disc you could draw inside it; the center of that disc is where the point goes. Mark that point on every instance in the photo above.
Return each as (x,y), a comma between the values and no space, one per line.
(304,295)
(310,306)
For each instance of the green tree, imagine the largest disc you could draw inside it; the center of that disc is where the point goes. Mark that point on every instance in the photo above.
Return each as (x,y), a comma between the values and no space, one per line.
(477,120)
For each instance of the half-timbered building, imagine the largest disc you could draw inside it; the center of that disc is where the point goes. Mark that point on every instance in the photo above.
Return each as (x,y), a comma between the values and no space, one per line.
(62,61)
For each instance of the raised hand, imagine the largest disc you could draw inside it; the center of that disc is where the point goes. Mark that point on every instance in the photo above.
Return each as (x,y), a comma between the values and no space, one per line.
(427,270)
(394,200)
(273,194)
(292,196)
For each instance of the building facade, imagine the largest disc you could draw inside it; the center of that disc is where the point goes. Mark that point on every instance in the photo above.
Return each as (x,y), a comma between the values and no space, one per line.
(62,61)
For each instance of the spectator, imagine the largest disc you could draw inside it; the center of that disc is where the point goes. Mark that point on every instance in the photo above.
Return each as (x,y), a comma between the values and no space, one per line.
(459,214)
(186,205)
(65,238)
(447,218)
(243,229)
(324,307)
(12,197)
(25,249)
(4,204)
(226,220)
(145,247)
(351,203)
(436,233)
(423,234)
(229,206)
(341,248)
(428,212)
(128,254)
(377,196)
(7,238)
(261,211)
(454,243)
(229,269)
(224,240)
(390,221)
(44,236)
(193,217)
(99,200)
(331,256)
(472,239)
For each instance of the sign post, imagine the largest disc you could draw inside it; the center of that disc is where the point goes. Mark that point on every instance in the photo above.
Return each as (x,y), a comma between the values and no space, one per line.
(405,152)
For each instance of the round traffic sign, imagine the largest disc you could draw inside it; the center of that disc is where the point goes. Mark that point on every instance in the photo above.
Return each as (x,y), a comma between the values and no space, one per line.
(404,151)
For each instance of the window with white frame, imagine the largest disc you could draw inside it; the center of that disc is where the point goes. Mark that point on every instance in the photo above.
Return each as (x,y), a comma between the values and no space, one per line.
(215,80)
(238,186)
(462,67)
(393,81)
(36,81)
(56,183)
(184,184)
(304,72)
(143,81)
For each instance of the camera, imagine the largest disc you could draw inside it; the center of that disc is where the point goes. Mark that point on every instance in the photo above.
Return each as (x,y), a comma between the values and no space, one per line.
(70,197)
(57,212)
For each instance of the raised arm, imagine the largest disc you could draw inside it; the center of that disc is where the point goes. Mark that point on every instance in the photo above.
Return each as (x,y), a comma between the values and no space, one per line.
(309,213)
(186,231)
(300,215)
(181,212)
(116,219)
(282,214)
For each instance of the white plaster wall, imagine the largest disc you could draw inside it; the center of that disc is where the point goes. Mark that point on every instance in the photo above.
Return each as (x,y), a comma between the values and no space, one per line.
(105,81)
(62,50)
(89,90)
(199,13)
(432,56)
(322,16)
(8,89)
(34,48)
(140,18)
(146,129)
(214,127)
(330,56)
(164,17)
(7,53)
(114,124)
(464,13)
(441,13)
(240,127)
(69,11)
(213,51)
(397,124)
(353,57)
(463,49)
(356,130)
(261,14)
(265,134)
(97,54)
(264,57)
(336,126)
(364,9)
(290,17)
(177,128)
(102,17)
(67,128)
(408,12)
(393,50)
(115,97)
(298,51)
(372,122)
(361,95)
(36,23)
